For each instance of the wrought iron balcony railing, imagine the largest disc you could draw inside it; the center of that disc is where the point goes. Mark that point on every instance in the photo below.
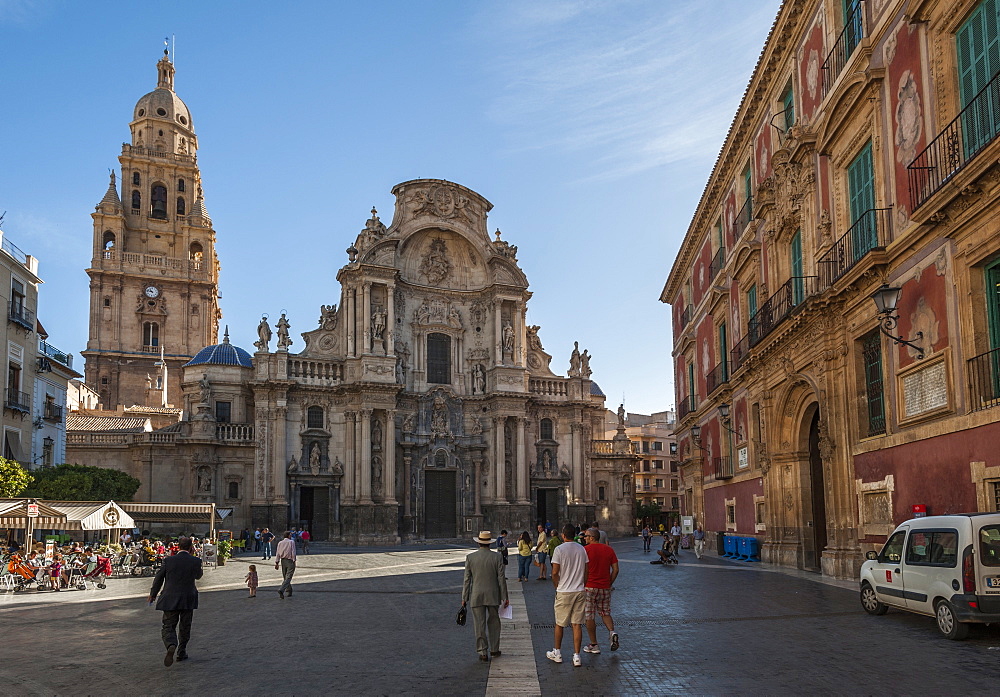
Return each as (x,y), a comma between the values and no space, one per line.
(722,467)
(47,349)
(871,231)
(984,380)
(842,50)
(740,351)
(53,412)
(718,261)
(20,315)
(688,404)
(743,218)
(779,306)
(975,127)
(718,377)
(686,316)
(17,400)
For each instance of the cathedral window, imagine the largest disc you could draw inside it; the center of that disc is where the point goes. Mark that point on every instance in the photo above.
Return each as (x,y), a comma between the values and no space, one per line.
(439,359)
(224,412)
(136,200)
(545,429)
(180,185)
(181,209)
(107,302)
(150,334)
(136,180)
(314,417)
(158,195)
(234,490)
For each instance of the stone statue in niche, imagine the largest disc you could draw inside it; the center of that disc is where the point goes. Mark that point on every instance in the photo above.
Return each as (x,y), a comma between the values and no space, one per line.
(477,427)
(378,323)
(292,465)
(546,460)
(204,479)
(508,337)
(338,468)
(435,265)
(206,389)
(478,379)
(376,435)
(284,340)
(408,423)
(454,319)
(439,418)
(376,476)
(263,334)
(422,314)
(314,459)
(574,360)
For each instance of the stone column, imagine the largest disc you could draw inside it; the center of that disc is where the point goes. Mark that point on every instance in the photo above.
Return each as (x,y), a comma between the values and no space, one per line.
(366,316)
(522,466)
(407,513)
(350,454)
(500,458)
(294,502)
(518,334)
(389,473)
(280,471)
(365,494)
(576,465)
(477,487)
(390,320)
(498,329)
(349,323)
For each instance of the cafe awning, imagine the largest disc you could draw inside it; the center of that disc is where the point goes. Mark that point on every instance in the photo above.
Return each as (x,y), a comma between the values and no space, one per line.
(174,512)
(92,515)
(14,514)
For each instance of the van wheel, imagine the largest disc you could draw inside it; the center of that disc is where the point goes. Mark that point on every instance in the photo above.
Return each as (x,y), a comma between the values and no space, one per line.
(946,622)
(870,601)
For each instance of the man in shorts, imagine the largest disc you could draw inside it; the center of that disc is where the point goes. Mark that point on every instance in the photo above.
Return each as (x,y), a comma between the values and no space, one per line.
(569,576)
(602,570)
(541,551)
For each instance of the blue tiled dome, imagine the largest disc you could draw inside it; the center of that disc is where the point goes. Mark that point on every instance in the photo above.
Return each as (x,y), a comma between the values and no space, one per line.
(595,390)
(222,354)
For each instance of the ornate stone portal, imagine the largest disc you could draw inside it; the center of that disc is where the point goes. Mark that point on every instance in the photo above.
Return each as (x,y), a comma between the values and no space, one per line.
(422,406)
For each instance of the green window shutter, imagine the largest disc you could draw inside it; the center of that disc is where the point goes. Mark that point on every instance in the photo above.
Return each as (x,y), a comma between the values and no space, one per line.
(691,386)
(795,251)
(978,49)
(788,104)
(724,351)
(871,352)
(853,27)
(861,183)
(993,303)
(748,191)
(752,300)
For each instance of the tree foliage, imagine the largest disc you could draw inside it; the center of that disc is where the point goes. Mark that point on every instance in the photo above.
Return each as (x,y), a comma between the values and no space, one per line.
(647,510)
(13,478)
(83,483)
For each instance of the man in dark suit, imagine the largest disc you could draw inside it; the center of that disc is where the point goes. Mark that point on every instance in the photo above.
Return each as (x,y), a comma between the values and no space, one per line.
(484,589)
(179,599)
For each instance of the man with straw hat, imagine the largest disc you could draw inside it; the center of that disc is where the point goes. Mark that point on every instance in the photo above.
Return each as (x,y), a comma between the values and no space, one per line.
(484,590)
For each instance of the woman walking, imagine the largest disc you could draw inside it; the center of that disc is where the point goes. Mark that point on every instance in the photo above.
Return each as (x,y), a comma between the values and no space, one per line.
(523,556)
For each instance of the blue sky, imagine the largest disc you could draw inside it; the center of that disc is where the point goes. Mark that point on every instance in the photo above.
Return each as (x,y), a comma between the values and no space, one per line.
(591,127)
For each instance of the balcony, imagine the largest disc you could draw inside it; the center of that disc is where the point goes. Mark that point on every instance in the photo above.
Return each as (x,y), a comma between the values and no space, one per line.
(975,127)
(740,352)
(871,231)
(718,377)
(686,316)
(240,433)
(688,404)
(779,306)
(18,401)
(841,52)
(50,351)
(984,380)
(743,218)
(52,412)
(722,468)
(718,262)
(20,315)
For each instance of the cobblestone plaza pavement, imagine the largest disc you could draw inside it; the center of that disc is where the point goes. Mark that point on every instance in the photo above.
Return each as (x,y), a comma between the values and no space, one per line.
(381,622)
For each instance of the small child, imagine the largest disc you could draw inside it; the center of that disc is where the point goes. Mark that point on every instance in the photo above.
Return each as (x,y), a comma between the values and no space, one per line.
(55,571)
(251,579)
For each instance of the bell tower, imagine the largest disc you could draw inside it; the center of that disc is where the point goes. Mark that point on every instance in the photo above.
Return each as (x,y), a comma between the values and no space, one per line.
(154,274)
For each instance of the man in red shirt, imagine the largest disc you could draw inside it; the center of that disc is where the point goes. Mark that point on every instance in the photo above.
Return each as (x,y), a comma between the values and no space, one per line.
(602,563)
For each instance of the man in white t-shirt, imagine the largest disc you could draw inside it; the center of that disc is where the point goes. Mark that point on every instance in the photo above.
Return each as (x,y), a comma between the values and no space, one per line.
(569,574)
(675,537)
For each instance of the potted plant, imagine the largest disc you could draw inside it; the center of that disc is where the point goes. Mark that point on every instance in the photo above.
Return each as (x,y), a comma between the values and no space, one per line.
(225,551)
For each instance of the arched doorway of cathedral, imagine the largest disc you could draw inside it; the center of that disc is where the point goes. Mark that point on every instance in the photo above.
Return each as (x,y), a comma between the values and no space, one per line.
(440,497)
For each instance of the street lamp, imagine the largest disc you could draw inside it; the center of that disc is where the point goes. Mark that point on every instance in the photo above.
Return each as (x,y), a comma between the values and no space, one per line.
(725,420)
(696,436)
(886,299)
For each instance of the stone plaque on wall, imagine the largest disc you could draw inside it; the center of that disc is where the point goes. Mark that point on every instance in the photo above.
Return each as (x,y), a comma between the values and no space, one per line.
(925,390)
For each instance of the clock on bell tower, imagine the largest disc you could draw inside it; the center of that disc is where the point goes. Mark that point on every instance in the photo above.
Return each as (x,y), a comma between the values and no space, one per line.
(154,273)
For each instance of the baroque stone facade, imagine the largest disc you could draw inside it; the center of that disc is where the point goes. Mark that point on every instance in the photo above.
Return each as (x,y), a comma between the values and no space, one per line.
(856,159)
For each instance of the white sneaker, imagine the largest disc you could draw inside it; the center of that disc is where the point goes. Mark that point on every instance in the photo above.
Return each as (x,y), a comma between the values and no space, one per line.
(591,648)
(576,660)
(555,655)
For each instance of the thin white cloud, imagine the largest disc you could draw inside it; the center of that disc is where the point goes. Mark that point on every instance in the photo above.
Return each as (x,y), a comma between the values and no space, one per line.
(20,11)
(638,88)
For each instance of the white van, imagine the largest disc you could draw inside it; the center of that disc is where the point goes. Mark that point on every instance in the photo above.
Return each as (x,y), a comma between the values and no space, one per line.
(945,566)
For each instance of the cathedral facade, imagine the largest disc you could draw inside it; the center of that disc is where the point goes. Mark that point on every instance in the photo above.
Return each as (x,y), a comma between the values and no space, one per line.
(421,406)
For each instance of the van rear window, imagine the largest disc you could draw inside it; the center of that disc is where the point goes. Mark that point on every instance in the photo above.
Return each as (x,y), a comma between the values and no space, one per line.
(989,545)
